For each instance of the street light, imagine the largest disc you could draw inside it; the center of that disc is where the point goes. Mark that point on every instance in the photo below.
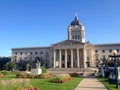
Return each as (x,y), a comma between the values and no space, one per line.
(114,57)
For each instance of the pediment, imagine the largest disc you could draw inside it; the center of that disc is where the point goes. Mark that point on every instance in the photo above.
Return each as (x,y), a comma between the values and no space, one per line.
(67,42)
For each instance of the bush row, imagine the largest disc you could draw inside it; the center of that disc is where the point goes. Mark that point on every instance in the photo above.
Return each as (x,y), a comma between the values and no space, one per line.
(4,72)
(42,76)
(61,78)
(76,74)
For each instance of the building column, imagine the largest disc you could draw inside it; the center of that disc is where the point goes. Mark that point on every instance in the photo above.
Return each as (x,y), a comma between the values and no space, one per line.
(71,58)
(60,58)
(78,65)
(54,62)
(84,55)
(65,58)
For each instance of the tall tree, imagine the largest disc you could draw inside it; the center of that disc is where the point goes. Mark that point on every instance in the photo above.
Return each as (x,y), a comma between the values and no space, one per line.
(10,66)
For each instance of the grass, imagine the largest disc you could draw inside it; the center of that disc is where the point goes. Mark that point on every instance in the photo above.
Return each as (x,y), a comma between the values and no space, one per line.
(45,84)
(107,85)
(14,84)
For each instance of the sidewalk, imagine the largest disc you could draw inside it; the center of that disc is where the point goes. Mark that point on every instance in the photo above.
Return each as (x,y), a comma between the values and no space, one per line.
(90,84)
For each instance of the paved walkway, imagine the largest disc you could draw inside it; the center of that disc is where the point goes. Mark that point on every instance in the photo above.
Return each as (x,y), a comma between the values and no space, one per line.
(90,84)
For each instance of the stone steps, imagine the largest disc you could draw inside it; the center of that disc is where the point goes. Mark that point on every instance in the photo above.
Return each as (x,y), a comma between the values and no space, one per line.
(86,71)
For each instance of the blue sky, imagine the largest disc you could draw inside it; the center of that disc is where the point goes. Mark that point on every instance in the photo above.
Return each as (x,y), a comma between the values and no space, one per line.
(29,23)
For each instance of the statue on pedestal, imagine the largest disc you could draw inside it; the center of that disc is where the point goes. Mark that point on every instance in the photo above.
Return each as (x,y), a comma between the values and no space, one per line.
(38,64)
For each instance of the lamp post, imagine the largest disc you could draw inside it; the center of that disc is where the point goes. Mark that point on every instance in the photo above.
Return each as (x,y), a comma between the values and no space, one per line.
(115,56)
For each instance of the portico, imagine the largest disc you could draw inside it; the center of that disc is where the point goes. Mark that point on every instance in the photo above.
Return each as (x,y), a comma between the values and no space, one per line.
(68,58)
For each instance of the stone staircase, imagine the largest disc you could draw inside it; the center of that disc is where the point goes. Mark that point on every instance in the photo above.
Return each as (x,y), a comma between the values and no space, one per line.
(84,71)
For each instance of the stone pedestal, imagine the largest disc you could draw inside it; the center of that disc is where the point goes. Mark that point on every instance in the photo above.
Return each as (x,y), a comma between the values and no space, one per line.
(36,71)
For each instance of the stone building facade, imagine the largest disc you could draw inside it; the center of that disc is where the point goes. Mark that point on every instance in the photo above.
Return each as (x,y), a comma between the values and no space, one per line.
(71,53)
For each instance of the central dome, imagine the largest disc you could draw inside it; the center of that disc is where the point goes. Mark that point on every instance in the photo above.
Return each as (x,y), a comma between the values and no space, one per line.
(75,21)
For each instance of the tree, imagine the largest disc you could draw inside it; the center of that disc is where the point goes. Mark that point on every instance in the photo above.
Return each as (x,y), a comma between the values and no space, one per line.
(30,63)
(10,66)
(3,61)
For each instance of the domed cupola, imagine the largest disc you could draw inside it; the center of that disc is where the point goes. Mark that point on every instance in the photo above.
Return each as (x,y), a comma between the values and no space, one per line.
(75,21)
(76,31)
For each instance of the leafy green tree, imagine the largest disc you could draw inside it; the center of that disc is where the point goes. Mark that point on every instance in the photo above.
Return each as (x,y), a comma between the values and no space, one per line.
(43,69)
(22,65)
(10,66)
(3,61)
(31,64)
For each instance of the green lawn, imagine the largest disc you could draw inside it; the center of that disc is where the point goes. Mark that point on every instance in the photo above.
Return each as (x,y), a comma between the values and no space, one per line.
(107,85)
(45,84)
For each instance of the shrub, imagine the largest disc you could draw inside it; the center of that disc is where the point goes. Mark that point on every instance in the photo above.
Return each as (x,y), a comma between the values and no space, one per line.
(44,75)
(61,78)
(2,75)
(21,75)
(76,74)
(43,69)
(4,72)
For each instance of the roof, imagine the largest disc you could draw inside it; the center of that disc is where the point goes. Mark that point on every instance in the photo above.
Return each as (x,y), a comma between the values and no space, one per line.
(76,21)
(23,48)
(107,44)
(68,42)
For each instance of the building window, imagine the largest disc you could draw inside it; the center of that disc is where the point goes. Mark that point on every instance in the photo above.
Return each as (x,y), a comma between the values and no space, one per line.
(96,57)
(73,37)
(46,52)
(87,58)
(103,51)
(110,50)
(78,37)
(117,50)
(40,52)
(103,57)
(30,53)
(21,53)
(36,53)
(46,65)
(96,51)
(16,53)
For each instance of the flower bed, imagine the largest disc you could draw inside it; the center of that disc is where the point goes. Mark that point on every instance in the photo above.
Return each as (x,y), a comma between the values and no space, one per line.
(76,74)
(42,76)
(60,78)
(21,75)
(27,88)
(45,75)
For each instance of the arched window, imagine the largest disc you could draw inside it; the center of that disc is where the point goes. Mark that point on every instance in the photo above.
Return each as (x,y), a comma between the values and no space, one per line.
(73,37)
